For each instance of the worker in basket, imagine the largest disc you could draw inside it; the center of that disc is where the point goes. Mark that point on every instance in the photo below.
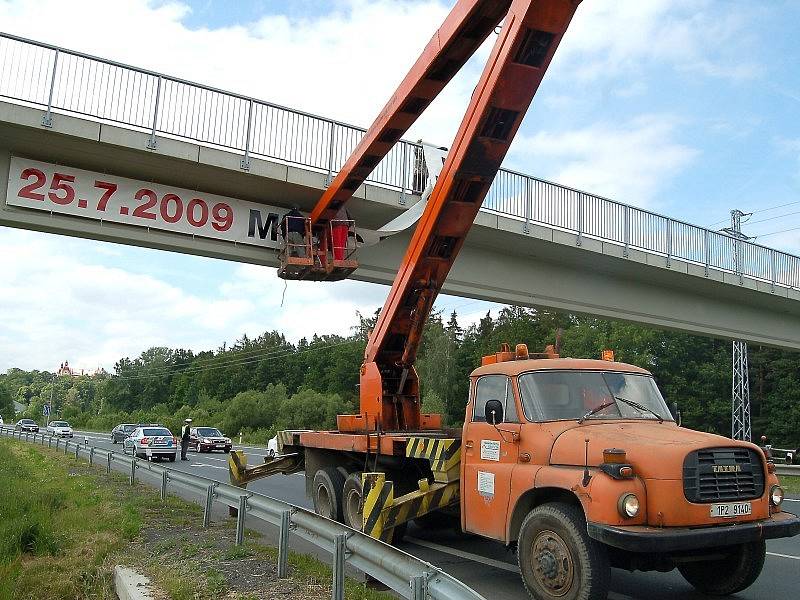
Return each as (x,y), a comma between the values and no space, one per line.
(340,229)
(293,230)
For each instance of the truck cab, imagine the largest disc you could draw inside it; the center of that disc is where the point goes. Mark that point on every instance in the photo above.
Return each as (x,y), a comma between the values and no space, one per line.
(580,464)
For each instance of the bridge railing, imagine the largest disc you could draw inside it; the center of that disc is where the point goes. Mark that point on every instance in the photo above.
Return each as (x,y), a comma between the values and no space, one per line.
(62,80)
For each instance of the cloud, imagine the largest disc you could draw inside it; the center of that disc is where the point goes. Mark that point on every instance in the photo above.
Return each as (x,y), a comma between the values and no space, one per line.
(700,37)
(628,161)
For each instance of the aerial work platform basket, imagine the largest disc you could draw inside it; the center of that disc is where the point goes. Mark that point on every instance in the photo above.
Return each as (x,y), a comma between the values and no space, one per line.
(325,254)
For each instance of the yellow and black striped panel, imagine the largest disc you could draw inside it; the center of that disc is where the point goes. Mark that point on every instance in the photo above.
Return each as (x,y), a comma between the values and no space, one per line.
(443,454)
(418,503)
(378,497)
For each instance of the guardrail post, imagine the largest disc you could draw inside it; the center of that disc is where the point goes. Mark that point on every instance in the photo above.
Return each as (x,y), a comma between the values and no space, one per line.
(332,139)
(526,228)
(91,455)
(164,479)
(133,471)
(152,143)
(47,119)
(404,177)
(339,550)
(627,232)
(66,447)
(419,587)
(208,506)
(580,220)
(108,463)
(707,249)
(77,450)
(50,442)
(245,164)
(240,520)
(283,545)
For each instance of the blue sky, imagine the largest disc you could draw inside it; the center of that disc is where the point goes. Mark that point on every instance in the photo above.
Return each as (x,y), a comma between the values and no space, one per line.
(688,108)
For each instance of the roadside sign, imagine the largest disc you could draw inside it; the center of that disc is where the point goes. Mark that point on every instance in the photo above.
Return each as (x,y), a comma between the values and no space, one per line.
(46,410)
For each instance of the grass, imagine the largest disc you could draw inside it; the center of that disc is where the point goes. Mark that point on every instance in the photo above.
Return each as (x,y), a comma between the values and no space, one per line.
(790,484)
(64,525)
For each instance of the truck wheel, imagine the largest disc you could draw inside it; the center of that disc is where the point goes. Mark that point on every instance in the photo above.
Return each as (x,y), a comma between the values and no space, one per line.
(328,484)
(732,574)
(352,501)
(557,557)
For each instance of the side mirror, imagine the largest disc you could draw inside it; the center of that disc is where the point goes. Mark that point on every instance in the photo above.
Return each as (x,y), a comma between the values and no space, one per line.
(676,413)
(494,412)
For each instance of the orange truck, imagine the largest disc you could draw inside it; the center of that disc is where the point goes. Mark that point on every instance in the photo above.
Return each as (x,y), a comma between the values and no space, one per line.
(577,463)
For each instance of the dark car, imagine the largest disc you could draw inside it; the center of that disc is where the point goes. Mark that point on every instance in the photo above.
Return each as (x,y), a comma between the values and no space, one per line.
(26,425)
(121,431)
(208,439)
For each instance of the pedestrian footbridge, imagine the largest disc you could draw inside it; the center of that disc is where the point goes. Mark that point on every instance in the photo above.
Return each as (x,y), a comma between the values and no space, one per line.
(106,151)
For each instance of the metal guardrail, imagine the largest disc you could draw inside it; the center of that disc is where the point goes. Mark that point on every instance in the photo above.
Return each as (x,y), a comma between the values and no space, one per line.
(787,470)
(405,574)
(62,80)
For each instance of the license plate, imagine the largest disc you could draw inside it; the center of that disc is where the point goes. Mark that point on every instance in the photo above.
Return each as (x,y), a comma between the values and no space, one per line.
(731,509)
(220,445)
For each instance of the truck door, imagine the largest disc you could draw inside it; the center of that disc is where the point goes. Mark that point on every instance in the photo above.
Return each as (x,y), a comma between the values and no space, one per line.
(489,457)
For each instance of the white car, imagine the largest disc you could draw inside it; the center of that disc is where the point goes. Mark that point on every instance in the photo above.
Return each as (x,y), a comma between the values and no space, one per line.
(151,442)
(59,429)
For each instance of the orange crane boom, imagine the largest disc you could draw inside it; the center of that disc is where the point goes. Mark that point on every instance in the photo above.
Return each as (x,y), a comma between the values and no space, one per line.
(530,34)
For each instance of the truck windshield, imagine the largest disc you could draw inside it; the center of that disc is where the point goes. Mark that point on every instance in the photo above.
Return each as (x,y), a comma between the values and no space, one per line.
(560,395)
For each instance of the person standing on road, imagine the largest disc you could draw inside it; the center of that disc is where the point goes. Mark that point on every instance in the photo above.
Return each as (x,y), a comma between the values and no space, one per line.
(185,438)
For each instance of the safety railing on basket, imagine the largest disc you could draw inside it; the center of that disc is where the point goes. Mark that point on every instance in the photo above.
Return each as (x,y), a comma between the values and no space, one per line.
(61,80)
(408,576)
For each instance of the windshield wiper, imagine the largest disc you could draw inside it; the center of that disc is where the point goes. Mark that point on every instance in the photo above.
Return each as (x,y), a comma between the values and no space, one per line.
(640,407)
(595,410)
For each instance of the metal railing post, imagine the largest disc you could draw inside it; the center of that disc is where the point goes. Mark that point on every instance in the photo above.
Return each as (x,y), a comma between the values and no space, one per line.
(50,442)
(580,220)
(77,451)
(526,228)
(707,249)
(152,143)
(66,447)
(772,267)
(283,545)
(208,506)
(245,164)
(627,231)
(133,471)
(108,463)
(164,479)
(91,455)
(339,551)
(331,143)
(669,243)
(404,176)
(240,520)
(47,119)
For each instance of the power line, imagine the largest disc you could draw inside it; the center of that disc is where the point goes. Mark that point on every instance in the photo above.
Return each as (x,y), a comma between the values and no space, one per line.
(760,210)
(198,369)
(763,235)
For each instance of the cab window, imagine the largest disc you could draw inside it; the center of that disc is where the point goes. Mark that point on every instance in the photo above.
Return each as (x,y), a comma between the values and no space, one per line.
(494,387)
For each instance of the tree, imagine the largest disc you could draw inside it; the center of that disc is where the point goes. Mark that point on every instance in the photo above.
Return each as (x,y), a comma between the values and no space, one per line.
(6,403)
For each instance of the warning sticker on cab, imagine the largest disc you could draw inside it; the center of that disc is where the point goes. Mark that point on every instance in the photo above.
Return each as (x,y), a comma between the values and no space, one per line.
(485,483)
(490,450)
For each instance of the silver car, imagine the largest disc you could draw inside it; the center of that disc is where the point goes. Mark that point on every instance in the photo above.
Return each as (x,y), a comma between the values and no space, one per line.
(151,442)
(59,429)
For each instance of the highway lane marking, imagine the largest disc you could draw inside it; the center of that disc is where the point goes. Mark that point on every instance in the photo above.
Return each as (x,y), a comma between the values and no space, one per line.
(783,555)
(204,465)
(499,564)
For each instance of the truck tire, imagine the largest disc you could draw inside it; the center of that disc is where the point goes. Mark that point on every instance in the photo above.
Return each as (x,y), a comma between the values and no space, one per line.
(558,559)
(352,501)
(732,574)
(328,484)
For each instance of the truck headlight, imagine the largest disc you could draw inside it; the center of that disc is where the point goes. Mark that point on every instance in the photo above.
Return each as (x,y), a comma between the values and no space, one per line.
(628,505)
(776,495)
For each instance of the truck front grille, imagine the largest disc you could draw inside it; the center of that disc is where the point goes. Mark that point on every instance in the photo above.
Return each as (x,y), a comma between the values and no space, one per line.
(722,475)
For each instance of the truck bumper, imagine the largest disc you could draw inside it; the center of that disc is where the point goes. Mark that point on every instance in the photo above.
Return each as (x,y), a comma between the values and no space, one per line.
(642,538)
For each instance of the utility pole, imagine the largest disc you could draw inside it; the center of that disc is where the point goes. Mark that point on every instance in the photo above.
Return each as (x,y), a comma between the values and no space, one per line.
(740,397)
